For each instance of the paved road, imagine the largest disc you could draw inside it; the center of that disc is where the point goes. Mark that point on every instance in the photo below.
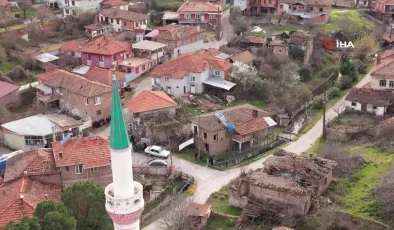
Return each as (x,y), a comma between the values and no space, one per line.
(228,32)
(210,180)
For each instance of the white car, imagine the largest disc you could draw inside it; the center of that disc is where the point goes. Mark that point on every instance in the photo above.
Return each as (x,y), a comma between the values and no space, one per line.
(157,151)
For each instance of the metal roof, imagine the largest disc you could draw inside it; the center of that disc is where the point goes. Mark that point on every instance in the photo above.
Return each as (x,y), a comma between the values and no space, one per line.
(270,121)
(170,16)
(148,45)
(82,69)
(63,120)
(46,57)
(223,56)
(38,125)
(217,82)
(46,89)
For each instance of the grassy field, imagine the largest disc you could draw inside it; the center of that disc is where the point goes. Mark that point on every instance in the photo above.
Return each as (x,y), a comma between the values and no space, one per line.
(190,157)
(354,193)
(51,48)
(29,13)
(217,223)
(336,14)
(8,66)
(219,201)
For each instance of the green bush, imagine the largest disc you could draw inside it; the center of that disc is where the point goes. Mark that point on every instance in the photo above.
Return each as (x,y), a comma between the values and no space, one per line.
(360,66)
(347,68)
(318,103)
(305,74)
(344,82)
(333,92)
(327,71)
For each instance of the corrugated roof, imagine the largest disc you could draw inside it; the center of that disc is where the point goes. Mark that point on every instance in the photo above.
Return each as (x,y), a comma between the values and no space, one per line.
(7,88)
(37,125)
(46,57)
(148,45)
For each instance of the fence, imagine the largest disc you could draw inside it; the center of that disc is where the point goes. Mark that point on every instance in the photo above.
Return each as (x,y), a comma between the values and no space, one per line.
(249,154)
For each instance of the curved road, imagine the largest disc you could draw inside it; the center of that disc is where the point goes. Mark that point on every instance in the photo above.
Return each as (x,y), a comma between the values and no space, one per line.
(210,180)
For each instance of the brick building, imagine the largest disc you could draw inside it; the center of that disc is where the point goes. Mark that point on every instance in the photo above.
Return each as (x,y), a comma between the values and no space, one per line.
(200,13)
(75,94)
(122,19)
(82,159)
(385,9)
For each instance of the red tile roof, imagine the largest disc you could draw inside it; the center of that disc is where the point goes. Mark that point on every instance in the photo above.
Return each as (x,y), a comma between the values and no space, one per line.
(106,46)
(178,32)
(73,45)
(4,2)
(34,162)
(385,2)
(189,63)
(13,208)
(255,39)
(103,76)
(244,57)
(199,7)
(387,54)
(384,70)
(74,83)
(7,88)
(370,96)
(95,26)
(114,2)
(150,100)
(89,151)
(211,52)
(116,13)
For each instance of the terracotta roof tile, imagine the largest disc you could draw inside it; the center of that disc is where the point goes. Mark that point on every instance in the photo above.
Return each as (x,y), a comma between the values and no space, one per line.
(211,52)
(244,57)
(114,2)
(95,26)
(177,32)
(193,63)
(103,76)
(34,162)
(89,151)
(387,54)
(123,14)
(12,208)
(150,100)
(106,46)
(73,45)
(384,70)
(199,7)
(370,96)
(7,88)
(241,117)
(64,79)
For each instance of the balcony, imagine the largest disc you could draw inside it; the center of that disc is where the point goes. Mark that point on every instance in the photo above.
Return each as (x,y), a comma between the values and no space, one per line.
(127,205)
(192,21)
(242,139)
(48,98)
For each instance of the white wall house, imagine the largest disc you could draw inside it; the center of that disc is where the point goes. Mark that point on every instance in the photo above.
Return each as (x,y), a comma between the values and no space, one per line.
(73,7)
(370,108)
(188,48)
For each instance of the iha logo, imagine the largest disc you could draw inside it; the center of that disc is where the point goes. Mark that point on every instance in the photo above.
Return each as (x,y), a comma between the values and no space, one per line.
(331,43)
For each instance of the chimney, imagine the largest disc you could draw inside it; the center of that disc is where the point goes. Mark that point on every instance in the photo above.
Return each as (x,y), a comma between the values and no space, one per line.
(255,113)
(25,174)
(46,196)
(378,58)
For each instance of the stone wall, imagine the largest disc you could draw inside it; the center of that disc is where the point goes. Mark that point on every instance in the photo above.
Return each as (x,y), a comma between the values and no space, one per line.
(346,220)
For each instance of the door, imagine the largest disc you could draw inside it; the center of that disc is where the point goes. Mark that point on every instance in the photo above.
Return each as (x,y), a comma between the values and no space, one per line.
(192,89)
(184,89)
(207,148)
(169,90)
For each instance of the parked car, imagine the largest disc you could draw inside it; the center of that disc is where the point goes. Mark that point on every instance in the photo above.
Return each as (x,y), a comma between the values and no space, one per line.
(156,162)
(157,151)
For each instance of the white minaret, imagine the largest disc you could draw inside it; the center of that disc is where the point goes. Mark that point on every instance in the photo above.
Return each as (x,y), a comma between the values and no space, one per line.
(124,200)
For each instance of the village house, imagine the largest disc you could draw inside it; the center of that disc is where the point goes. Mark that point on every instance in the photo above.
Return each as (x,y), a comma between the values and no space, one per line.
(5,6)
(147,54)
(75,94)
(104,76)
(200,213)
(301,45)
(286,181)
(73,7)
(72,48)
(151,102)
(122,19)
(192,73)
(120,4)
(200,13)
(279,50)
(385,9)
(245,57)
(248,127)
(307,10)
(260,6)
(30,177)
(377,96)
(102,51)
(9,95)
(98,28)
(40,130)
(82,159)
(179,39)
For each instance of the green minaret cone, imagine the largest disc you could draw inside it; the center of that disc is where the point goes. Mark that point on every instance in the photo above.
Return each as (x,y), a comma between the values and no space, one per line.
(119,138)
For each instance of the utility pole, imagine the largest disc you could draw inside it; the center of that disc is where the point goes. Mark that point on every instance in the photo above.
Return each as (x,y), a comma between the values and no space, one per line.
(324,115)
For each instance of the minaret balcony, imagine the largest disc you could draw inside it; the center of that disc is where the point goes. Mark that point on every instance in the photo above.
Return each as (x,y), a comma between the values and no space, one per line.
(124,205)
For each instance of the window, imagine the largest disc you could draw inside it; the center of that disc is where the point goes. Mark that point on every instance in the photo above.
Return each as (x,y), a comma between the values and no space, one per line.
(391,83)
(117,21)
(211,16)
(310,8)
(198,16)
(95,169)
(86,100)
(128,70)
(374,107)
(101,58)
(281,6)
(69,93)
(354,104)
(143,68)
(67,11)
(60,91)
(34,140)
(112,20)
(167,79)
(97,101)
(217,72)
(88,57)
(124,23)
(269,1)
(98,112)
(187,16)
(78,169)
(195,130)
(185,42)
(321,9)
(193,79)
(67,168)
(168,45)
(137,69)
(215,137)
(205,135)
(294,8)
(73,3)
(382,83)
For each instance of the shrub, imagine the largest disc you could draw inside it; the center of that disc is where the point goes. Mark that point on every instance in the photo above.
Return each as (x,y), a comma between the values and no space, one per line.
(360,66)
(344,82)
(318,103)
(347,68)
(18,74)
(327,71)
(333,92)
(305,74)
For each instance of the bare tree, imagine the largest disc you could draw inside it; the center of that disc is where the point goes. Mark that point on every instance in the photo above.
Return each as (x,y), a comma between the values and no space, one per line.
(339,108)
(176,216)
(24,6)
(348,27)
(68,61)
(346,163)
(243,169)
(44,14)
(324,219)
(384,194)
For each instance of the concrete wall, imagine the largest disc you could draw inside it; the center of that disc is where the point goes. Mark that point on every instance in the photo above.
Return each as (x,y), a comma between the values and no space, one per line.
(103,177)
(375,84)
(189,48)
(357,107)
(17,142)
(12,99)
(170,111)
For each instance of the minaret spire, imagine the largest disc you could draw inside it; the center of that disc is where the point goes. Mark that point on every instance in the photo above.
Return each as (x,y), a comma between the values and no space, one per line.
(124,200)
